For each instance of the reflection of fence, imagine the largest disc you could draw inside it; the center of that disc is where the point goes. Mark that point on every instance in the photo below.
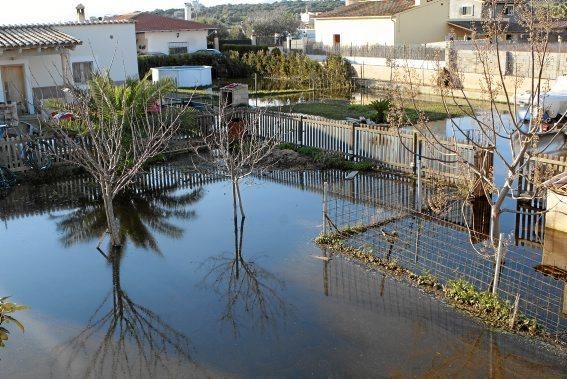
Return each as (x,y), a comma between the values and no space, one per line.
(463,347)
(405,52)
(66,193)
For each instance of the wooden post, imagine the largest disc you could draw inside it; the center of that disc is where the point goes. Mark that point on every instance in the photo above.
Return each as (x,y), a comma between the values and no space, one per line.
(300,131)
(515,312)
(415,152)
(353,141)
(499,254)
(325,207)
(418,166)
(483,162)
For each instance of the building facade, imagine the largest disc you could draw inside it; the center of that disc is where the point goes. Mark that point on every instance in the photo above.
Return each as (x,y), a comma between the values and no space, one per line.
(387,22)
(39,61)
(165,35)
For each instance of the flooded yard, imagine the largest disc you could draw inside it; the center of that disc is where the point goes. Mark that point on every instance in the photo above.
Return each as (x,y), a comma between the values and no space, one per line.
(194,294)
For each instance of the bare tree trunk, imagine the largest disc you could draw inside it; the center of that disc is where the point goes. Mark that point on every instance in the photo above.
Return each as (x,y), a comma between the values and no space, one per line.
(240,200)
(110,218)
(234,205)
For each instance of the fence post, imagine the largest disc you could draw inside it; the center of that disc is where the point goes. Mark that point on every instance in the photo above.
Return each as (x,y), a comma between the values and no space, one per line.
(515,312)
(418,167)
(353,141)
(325,207)
(300,131)
(415,152)
(499,254)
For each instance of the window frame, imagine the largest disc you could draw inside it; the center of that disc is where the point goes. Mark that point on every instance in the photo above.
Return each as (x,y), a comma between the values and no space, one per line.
(80,75)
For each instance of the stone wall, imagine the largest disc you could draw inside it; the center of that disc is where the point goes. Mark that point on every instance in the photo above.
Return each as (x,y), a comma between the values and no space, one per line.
(514,64)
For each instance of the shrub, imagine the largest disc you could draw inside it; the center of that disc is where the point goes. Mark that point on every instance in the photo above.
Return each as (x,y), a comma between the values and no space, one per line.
(243,49)
(221,66)
(381,107)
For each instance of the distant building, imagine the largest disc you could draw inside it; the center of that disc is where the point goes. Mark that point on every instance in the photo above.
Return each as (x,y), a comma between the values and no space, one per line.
(387,22)
(38,61)
(166,35)
(465,17)
(397,22)
(308,17)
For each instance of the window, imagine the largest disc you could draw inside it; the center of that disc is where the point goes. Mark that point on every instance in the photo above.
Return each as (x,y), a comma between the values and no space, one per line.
(82,72)
(508,10)
(178,48)
(336,39)
(508,37)
(467,10)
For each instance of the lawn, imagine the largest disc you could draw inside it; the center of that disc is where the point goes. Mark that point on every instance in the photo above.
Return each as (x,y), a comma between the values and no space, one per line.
(339,110)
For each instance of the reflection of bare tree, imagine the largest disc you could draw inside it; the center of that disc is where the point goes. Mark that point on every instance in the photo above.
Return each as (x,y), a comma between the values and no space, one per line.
(139,210)
(248,291)
(123,338)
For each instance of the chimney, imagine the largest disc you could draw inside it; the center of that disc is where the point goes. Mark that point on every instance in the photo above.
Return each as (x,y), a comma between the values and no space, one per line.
(188,11)
(81,12)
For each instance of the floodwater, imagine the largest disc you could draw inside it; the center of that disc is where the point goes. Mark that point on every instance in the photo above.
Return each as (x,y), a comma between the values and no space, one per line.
(193,294)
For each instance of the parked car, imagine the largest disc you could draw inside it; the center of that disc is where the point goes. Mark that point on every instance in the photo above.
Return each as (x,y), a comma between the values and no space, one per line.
(212,52)
(153,55)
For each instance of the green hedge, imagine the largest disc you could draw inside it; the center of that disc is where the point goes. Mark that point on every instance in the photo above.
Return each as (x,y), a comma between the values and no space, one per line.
(243,49)
(221,66)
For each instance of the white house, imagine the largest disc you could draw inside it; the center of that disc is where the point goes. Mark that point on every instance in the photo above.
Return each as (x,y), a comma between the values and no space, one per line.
(39,61)
(166,35)
(384,22)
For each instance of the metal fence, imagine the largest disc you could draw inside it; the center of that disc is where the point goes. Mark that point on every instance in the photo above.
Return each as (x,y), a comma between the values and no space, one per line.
(424,242)
(405,52)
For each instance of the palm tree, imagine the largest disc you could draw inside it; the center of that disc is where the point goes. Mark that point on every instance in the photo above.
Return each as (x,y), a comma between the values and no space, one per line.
(141,211)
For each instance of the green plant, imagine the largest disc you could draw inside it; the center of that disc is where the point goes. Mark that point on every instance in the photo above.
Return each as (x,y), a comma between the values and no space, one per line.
(381,107)
(6,311)
(328,160)
(243,49)
(427,279)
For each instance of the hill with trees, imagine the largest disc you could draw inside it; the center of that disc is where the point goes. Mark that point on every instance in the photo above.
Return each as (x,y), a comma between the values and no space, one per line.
(238,20)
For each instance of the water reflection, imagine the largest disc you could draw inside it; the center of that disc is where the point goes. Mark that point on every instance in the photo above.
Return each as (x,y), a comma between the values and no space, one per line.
(141,212)
(123,337)
(250,293)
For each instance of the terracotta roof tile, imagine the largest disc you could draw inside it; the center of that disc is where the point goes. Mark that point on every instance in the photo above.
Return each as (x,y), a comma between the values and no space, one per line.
(33,36)
(370,9)
(147,22)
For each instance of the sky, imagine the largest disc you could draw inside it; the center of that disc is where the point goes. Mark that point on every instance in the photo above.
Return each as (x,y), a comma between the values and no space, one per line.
(32,11)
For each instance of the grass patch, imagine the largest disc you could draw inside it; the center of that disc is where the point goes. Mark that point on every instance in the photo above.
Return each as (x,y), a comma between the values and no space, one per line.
(339,110)
(487,306)
(327,160)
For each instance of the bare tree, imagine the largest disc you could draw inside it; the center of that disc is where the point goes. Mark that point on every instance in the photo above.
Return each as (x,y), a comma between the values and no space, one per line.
(499,127)
(115,130)
(123,337)
(247,289)
(237,144)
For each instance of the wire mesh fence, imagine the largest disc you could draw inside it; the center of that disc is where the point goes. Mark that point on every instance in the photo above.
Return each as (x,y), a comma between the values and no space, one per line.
(451,245)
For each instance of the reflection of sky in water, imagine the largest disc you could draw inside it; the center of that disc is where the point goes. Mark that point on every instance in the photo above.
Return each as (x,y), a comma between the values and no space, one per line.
(316,333)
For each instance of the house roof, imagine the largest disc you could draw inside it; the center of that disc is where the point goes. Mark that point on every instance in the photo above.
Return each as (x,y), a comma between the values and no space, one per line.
(370,9)
(33,36)
(148,22)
